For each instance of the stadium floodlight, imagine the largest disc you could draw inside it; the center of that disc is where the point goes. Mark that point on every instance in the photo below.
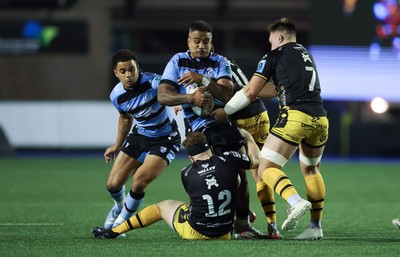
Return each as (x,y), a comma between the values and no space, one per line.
(379,105)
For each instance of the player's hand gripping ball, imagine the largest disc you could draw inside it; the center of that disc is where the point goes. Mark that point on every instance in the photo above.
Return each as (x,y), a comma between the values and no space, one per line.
(204,111)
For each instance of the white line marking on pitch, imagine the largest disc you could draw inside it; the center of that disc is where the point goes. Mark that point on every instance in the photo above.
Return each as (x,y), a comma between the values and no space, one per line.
(31,224)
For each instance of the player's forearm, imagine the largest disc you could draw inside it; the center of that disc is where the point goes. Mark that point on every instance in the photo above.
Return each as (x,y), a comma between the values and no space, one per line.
(124,127)
(254,152)
(220,91)
(237,102)
(173,99)
(252,148)
(167,96)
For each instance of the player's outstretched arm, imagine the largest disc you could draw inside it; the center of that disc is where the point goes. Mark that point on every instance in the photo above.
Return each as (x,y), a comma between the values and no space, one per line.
(268,91)
(125,123)
(252,148)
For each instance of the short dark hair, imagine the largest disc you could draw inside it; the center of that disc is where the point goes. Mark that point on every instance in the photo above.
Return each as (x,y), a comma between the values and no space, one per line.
(123,55)
(283,24)
(200,25)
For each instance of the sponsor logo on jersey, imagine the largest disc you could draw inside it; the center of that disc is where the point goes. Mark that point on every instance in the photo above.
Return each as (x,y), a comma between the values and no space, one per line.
(306,57)
(206,170)
(261,65)
(209,72)
(211,182)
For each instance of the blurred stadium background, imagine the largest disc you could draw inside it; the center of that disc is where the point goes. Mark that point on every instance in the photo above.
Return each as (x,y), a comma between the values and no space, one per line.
(56,74)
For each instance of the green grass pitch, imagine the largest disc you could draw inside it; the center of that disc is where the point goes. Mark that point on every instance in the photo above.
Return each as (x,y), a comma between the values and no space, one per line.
(49,205)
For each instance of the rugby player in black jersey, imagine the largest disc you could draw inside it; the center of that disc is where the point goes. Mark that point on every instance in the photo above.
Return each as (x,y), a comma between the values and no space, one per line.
(302,123)
(211,183)
(255,120)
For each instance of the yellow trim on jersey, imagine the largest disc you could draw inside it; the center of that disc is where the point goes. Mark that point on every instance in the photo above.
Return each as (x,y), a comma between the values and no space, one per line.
(183,228)
(261,76)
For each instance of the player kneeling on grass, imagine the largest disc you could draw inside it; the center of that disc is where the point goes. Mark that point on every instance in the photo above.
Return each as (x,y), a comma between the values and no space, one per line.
(211,182)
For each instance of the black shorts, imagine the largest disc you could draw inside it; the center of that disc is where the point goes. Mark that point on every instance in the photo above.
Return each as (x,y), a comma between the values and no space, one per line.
(223,136)
(139,146)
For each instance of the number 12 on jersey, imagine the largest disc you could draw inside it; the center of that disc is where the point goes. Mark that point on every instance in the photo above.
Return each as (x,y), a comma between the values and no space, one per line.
(225,197)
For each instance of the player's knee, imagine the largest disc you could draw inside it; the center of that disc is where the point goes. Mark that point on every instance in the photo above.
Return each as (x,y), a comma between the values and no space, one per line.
(164,203)
(113,186)
(273,157)
(308,161)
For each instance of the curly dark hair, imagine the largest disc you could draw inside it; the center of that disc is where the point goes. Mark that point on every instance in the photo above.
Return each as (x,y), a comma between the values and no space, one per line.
(123,55)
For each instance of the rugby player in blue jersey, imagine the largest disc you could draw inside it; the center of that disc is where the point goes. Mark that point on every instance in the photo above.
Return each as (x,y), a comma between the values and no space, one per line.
(144,150)
(185,78)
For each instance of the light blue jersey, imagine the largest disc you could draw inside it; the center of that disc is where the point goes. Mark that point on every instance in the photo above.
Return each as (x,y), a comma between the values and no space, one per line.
(151,118)
(214,66)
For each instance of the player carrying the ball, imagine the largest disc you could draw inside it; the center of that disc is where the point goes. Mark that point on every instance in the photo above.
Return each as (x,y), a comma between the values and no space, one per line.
(200,67)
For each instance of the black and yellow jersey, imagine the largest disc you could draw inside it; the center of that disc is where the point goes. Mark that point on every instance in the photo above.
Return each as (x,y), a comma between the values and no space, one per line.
(293,70)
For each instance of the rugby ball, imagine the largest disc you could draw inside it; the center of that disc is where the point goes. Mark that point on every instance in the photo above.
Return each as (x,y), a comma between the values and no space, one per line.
(204,111)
